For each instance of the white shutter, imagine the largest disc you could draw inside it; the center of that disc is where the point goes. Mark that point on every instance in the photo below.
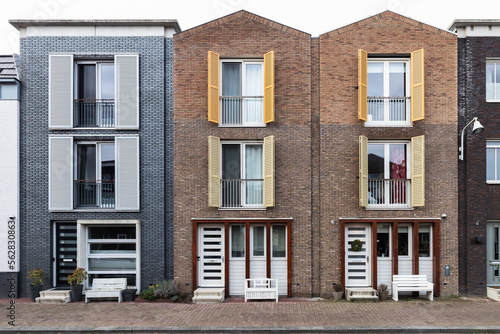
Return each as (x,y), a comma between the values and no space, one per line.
(61,173)
(61,91)
(127,173)
(127,91)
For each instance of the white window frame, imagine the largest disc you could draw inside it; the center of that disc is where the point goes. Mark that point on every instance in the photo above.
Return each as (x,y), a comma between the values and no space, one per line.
(389,258)
(496,80)
(243,63)
(252,226)
(386,122)
(286,243)
(387,171)
(431,245)
(410,241)
(243,145)
(98,64)
(495,145)
(231,257)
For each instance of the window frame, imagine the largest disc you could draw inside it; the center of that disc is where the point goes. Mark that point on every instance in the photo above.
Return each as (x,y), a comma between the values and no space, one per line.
(496,148)
(431,238)
(258,257)
(410,241)
(98,146)
(237,258)
(98,64)
(495,61)
(272,244)
(389,257)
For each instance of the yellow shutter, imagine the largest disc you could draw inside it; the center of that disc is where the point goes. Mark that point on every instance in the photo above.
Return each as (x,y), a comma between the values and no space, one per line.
(417,86)
(363,171)
(418,171)
(268,171)
(213,171)
(213,87)
(362,85)
(269,87)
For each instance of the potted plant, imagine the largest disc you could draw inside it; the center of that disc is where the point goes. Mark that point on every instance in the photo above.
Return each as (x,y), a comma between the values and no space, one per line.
(383,291)
(75,280)
(338,291)
(129,294)
(36,276)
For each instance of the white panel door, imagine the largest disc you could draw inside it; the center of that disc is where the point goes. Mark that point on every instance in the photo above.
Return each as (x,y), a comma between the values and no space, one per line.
(210,256)
(493,254)
(357,264)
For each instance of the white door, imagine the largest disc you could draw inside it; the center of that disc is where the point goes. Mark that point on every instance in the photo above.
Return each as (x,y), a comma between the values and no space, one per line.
(357,263)
(210,256)
(493,254)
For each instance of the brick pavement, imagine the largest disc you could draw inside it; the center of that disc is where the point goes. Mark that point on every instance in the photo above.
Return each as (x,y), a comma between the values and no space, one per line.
(455,315)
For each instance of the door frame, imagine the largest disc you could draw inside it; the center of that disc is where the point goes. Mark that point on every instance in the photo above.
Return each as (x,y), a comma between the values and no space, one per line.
(369,251)
(55,251)
(490,228)
(223,251)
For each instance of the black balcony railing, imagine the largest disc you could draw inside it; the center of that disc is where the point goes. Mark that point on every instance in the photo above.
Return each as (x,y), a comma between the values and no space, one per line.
(94,194)
(241,193)
(94,113)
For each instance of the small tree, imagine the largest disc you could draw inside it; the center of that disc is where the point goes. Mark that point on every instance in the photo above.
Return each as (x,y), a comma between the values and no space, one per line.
(79,275)
(36,276)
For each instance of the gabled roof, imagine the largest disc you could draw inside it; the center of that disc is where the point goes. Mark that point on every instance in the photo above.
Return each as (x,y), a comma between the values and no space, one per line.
(9,65)
(390,14)
(238,15)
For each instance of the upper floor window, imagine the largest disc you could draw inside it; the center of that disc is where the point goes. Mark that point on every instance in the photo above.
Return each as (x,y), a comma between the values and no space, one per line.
(493,81)
(390,91)
(493,161)
(241,92)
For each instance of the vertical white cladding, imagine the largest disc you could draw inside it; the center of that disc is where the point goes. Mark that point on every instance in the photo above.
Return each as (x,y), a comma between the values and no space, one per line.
(61,91)
(9,184)
(127,173)
(127,91)
(61,173)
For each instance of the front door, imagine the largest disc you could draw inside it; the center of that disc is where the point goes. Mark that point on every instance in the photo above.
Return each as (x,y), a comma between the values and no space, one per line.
(64,252)
(357,263)
(210,256)
(493,255)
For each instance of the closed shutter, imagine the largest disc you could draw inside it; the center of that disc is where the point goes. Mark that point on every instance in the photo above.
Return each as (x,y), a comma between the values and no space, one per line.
(362,85)
(213,171)
(127,91)
(60,173)
(268,156)
(269,87)
(213,87)
(127,173)
(417,86)
(61,91)
(418,171)
(363,171)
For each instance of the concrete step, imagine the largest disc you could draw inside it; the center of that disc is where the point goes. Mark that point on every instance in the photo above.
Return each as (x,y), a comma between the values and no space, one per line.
(55,293)
(53,296)
(361,294)
(493,293)
(208,295)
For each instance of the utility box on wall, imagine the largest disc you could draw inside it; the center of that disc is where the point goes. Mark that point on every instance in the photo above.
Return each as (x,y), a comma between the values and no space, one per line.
(8,285)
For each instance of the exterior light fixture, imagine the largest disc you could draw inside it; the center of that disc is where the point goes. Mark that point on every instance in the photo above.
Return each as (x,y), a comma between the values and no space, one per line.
(477,128)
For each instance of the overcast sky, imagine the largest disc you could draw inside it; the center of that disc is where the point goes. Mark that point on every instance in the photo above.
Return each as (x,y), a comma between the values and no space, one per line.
(312,16)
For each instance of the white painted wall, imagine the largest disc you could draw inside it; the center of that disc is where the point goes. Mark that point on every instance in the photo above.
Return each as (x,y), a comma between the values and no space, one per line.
(425,268)
(236,277)
(9,180)
(279,271)
(478,31)
(384,271)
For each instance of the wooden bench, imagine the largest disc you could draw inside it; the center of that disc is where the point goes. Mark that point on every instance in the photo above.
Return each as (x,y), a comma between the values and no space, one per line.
(261,288)
(106,288)
(411,283)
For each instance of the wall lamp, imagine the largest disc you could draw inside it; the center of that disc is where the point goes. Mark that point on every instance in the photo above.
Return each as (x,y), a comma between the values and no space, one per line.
(477,128)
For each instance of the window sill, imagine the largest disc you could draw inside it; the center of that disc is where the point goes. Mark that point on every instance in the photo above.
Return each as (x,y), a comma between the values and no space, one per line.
(386,125)
(492,182)
(243,209)
(388,209)
(493,101)
(94,210)
(242,126)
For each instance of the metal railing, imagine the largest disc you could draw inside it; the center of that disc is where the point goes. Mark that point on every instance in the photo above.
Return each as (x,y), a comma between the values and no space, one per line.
(394,193)
(94,113)
(94,194)
(241,193)
(388,109)
(241,110)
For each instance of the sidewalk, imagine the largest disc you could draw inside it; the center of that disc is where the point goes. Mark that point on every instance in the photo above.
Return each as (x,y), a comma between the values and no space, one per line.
(289,315)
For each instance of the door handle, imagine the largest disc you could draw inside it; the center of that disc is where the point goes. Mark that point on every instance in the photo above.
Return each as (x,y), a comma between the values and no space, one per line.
(368,259)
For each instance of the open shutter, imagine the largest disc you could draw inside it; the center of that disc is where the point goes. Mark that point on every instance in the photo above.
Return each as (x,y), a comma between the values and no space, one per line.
(418,171)
(269,87)
(362,85)
(127,91)
(213,171)
(363,171)
(417,86)
(268,156)
(127,173)
(61,91)
(213,87)
(60,173)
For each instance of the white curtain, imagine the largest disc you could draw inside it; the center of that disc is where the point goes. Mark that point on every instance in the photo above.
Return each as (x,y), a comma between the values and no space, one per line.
(490,81)
(253,174)
(254,87)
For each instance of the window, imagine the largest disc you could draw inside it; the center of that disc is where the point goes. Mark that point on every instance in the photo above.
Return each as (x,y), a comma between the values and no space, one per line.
(258,241)
(95,175)
(493,81)
(424,240)
(493,162)
(278,241)
(242,175)
(388,182)
(8,91)
(237,241)
(112,252)
(94,101)
(383,241)
(404,241)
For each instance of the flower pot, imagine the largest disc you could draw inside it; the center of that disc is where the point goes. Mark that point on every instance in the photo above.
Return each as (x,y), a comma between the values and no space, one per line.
(129,295)
(76,293)
(382,295)
(338,295)
(35,292)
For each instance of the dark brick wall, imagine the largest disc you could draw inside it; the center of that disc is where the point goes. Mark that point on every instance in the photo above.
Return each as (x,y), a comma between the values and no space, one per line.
(156,136)
(478,200)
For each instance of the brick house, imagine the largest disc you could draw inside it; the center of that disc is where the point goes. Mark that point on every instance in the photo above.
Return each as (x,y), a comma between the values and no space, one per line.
(96,157)
(479,223)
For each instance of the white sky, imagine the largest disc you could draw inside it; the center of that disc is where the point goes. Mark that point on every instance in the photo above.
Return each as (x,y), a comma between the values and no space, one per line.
(311,16)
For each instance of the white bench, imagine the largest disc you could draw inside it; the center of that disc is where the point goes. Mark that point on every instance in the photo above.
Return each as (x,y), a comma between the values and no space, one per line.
(261,288)
(106,288)
(412,283)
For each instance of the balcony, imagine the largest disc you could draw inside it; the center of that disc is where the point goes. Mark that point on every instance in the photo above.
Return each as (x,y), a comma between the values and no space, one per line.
(94,113)
(389,193)
(94,194)
(242,193)
(242,110)
(394,110)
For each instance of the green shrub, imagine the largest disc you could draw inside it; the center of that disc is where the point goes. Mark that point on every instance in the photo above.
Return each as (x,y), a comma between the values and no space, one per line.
(148,294)
(165,290)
